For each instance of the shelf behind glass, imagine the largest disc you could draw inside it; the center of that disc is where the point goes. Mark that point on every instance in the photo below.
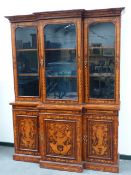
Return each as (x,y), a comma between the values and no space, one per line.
(101,75)
(28,74)
(26,50)
(100,57)
(61,49)
(65,76)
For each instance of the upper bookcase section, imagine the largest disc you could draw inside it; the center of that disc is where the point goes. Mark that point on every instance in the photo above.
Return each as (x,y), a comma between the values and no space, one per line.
(81,13)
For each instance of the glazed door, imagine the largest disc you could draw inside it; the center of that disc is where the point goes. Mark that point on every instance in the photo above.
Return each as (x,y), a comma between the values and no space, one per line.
(101,60)
(26,61)
(61,54)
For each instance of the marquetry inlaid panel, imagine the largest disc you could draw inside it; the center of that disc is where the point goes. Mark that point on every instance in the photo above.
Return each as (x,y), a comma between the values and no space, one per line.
(60,138)
(27,132)
(101,138)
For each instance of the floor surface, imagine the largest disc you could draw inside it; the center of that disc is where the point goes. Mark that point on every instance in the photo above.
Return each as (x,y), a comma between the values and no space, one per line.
(10,167)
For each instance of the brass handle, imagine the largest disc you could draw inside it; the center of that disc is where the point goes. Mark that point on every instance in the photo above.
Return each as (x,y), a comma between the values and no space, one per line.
(85,63)
(42,62)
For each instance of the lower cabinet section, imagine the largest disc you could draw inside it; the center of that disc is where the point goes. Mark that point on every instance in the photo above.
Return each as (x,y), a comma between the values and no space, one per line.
(61,141)
(67,140)
(100,140)
(26,134)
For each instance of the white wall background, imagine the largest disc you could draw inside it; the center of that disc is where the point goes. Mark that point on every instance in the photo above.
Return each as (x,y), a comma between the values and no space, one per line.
(17,7)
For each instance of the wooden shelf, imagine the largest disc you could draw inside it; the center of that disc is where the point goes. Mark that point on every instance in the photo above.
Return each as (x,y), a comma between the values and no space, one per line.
(100,56)
(28,74)
(101,75)
(61,76)
(102,47)
(25,50)
(61,63)
(62,49)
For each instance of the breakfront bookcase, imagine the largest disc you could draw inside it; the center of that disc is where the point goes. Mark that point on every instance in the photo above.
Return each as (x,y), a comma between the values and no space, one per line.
(67,83)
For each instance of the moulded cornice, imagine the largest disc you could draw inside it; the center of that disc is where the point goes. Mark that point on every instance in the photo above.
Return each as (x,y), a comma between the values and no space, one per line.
(79,13)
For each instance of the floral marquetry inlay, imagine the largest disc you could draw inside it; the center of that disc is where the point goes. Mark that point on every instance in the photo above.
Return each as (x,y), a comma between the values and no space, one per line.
(100,139)
(60,138)
(27,128)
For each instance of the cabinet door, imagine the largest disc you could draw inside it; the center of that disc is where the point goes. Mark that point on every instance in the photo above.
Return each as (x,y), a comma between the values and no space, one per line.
(26,132)
(25,55)
(60,138)
(102,60)
(100,139)
(61,54)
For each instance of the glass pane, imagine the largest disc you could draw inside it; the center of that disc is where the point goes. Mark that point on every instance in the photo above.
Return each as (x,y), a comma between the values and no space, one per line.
(60,61)
(26,38)
(27,61)
(28,86)
(102,60)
